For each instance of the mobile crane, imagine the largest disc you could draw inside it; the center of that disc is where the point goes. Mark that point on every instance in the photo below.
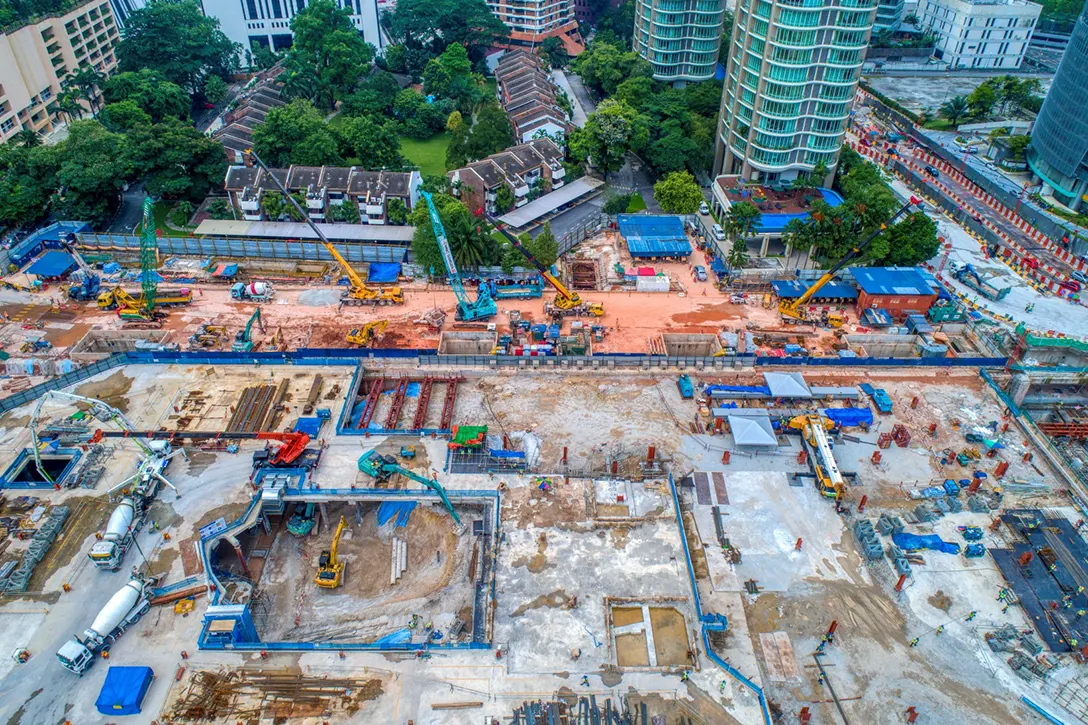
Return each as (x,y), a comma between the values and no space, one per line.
(484,306)
(793,311)
(829,479)
(330,568)
(567,302)
(381,468)
(91,284)
(358,293)
(243,339)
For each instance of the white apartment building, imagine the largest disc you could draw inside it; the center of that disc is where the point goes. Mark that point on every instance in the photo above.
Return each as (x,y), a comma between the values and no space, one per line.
(268,22)
(790,79)
(980,33)
(36,58)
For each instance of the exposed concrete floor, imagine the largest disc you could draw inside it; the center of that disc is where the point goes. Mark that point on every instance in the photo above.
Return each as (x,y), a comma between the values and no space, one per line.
(553,550)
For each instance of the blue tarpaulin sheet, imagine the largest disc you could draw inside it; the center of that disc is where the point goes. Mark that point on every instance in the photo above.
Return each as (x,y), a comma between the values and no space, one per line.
(123,691)
(388,510)
(506,454)
(911,542)
(53,263)
(717,267)
(790,290)
(411,391)
(401,636)
(309,426)
(225,270)
(723,391)
(849,416)
(383,272)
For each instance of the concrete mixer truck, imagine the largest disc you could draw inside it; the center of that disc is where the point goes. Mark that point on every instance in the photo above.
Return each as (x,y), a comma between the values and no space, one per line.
(122,611)
(252,292)
(109,551)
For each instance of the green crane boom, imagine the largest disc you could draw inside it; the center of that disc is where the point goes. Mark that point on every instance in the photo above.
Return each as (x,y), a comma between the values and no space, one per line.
(380,468)
(149,257)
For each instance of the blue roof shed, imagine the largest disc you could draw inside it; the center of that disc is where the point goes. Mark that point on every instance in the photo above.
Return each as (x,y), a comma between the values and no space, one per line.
(123,691)
(53,263)
(904,281)
(650,235)
(790,290)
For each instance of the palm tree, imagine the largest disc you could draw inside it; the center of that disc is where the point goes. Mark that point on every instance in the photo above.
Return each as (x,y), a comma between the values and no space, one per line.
(954,109)
(27,138)
(69,104)
(87,80)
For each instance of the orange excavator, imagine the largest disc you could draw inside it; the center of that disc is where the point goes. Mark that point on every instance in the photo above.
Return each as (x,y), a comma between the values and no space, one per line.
(292,450)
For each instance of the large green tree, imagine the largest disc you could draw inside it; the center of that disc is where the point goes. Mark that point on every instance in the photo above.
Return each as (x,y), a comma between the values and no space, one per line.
(149,90)
(296,134)
(175,160)
(329,52)
(177,39)
(94,165)
(678,193)
(435,24)
(370,144)
(450,76)
(610,132)
(469,238)
(604,67)
(27,183)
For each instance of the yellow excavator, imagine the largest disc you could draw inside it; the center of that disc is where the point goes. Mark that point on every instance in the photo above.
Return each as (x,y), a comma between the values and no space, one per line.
(358,293)
(330,570)
(368,333)
(795,311)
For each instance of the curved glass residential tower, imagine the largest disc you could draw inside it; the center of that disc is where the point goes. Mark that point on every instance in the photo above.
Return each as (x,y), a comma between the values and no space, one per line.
(680,38)
(1059,140)
(792,71)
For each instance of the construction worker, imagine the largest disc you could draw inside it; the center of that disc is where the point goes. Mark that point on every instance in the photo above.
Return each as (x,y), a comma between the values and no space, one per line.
(1073,643)
(820,679)
(685,676)
(972,615)
(1005,609)
(585,680)
(940,630)
(721,687)
(913,642)
(1080,613)
(1001,595)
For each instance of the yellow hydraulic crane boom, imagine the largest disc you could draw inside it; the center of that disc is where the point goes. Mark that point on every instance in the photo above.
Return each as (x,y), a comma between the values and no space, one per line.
(359,294)
(794,310)
(565,298)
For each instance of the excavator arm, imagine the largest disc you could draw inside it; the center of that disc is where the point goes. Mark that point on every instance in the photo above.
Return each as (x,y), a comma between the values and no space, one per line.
(560,288)
(793,309)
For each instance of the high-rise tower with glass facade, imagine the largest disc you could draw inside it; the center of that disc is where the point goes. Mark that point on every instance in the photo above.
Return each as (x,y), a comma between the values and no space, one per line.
(790,79)
(680,38)
(1059,140)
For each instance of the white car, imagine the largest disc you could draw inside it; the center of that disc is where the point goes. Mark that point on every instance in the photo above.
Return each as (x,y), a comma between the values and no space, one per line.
(719,233)
(703,208)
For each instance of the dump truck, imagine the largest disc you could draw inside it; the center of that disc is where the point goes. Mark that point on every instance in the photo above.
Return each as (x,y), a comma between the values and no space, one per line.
(252,291)
(109,551)
(122,611)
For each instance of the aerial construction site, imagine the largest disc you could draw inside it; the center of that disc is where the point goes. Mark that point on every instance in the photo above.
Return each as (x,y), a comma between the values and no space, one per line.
(272,494)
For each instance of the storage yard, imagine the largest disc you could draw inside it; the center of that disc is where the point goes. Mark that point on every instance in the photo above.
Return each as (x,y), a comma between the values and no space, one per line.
(642,488)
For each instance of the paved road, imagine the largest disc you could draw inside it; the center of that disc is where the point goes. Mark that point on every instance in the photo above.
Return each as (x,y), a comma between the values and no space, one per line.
(636,176)
(131,210)
(578,111)
(585,98)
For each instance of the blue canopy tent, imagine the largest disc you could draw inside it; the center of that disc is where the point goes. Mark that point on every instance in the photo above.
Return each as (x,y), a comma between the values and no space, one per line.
(123,691)
(383,272)
(52,264)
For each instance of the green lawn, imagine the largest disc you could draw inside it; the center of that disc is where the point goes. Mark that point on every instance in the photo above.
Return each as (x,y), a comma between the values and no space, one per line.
(636,204)
(429,155)
(939,124)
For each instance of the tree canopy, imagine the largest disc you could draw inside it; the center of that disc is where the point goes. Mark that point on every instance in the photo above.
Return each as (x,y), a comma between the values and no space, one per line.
(328,56)
(450,76)
(433,25)
(490,134)
(151,92)
(869,202)
(610,132)
(469,238)
(603,67)
(175,38)
(678,193)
